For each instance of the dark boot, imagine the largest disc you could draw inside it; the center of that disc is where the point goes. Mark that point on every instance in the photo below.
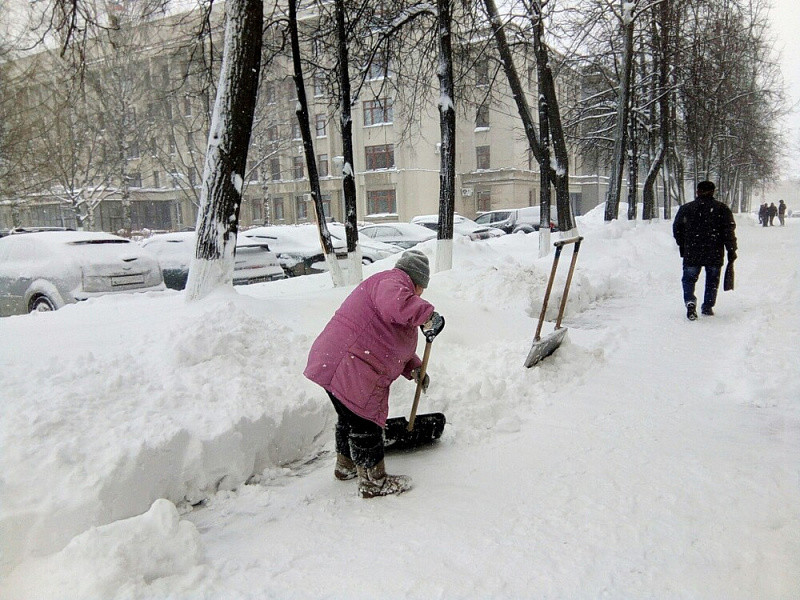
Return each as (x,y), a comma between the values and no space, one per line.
(691,311)
(373,481)
(367,453)
(345,468)
(707,310)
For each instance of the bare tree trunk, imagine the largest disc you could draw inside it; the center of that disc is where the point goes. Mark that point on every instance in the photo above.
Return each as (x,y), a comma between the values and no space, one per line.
(620,135)
(544,137)
(355,273)
(633,169)
(447,126)
(308,147)
(226,157)
(547,88)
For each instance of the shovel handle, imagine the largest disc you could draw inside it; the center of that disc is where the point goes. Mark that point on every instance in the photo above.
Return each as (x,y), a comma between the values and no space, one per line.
(561,308)
(546,299)
(422,370)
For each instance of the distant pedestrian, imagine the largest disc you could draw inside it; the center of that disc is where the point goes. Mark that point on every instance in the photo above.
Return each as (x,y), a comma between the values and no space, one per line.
(772,212)
(703,230)
(763,215)
(782,212)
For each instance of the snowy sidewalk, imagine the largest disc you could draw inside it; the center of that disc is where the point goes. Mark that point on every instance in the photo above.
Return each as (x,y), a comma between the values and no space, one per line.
(658,460)
(650,457)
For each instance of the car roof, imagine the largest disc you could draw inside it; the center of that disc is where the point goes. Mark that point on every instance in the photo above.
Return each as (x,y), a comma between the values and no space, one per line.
(66,237)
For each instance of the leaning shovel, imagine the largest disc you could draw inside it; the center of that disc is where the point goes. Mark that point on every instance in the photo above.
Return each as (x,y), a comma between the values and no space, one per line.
(417,430)
(544,347)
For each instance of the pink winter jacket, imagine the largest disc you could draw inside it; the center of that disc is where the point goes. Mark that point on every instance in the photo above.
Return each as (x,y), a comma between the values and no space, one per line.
(370,342)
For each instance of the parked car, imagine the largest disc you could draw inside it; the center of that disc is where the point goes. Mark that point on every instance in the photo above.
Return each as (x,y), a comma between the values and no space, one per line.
(404,235)
(371,250)
(297,247)
(254,262)
(42,271)
(461,226)
(513,220)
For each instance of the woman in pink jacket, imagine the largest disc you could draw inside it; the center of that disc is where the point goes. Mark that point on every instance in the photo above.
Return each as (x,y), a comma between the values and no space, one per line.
(369,342)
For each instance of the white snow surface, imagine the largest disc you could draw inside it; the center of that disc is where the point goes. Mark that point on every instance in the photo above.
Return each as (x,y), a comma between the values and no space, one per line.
(649,457)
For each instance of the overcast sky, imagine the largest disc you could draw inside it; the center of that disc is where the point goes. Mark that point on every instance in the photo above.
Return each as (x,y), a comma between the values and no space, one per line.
(786,23)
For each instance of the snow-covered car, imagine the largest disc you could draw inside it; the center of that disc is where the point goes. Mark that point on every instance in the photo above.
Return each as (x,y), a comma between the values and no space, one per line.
(254,262)
(45,270)
(461,226)
(297,247)
(371,249)
(405,235)
(514,220)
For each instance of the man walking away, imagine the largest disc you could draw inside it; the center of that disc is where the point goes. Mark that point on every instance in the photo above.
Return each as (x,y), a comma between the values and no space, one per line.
(763,216)
(782,212)
(703,229)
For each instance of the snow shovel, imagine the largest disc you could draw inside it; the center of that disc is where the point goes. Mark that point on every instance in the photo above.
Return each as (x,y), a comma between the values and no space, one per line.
(418,430)
(544,347)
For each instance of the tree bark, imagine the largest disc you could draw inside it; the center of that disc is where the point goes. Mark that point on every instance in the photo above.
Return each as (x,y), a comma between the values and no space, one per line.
(226,157)
(623,103)
(348,172)
(308,148)
(447,126)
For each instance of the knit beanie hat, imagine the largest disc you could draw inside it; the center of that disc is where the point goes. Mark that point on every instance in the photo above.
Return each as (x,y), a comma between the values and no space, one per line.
(415,263)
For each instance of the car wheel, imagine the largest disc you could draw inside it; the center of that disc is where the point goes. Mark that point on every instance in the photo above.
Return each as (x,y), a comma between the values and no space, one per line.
(41,304)
(366,261)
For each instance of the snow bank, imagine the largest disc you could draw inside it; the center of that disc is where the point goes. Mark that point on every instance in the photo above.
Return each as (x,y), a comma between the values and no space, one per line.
(155,555)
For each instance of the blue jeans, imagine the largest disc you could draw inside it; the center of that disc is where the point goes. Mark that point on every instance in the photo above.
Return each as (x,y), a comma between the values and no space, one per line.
(690,276)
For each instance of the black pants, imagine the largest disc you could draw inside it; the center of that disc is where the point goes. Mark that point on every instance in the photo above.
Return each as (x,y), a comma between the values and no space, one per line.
(357,438)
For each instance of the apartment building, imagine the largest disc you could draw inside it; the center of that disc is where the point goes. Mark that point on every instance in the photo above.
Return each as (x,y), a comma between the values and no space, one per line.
(146,125)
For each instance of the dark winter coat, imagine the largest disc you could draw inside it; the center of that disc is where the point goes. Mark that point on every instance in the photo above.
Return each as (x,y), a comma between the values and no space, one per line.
(704,229)
(782,208)
(773,210)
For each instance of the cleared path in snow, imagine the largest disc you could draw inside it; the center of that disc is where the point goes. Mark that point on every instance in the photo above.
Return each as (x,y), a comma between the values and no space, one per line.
(651,457)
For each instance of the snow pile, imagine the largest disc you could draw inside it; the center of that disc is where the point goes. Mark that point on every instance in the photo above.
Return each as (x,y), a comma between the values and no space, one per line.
(155,555)
(651,457)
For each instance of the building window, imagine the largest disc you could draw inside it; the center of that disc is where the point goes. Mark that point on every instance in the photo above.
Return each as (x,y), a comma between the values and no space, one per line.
(378,111)
(379,157)
(321,124)
(296,131)
(277,210)
(193,177)
(156,179)
(291,90)
(275,169)
(257,212)
(378,68)
(135,180)
(482,72)
(133,150)
(319,85)
(482,157)
(381,202)
(482,116)
(167,110)
(272,133)
(483,201)
(322,165)
(326,205)
(187,107)
(298,167)
(301,207)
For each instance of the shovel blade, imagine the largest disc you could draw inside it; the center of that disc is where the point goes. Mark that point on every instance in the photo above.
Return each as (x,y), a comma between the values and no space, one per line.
(544,347)
(427,429)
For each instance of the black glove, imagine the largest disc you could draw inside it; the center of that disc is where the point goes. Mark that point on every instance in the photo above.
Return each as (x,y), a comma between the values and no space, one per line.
(433,326)
(731,255)
(425,381)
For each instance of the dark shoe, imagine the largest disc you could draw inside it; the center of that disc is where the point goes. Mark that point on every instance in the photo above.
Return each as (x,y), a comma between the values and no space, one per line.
(707,310)
(345,468)
(373,482)
(691,311)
